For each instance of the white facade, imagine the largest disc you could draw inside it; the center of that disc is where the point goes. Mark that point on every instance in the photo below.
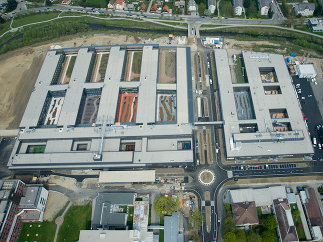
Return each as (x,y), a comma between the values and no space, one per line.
(212,8)
(305,71)
(264,10)
(238,10)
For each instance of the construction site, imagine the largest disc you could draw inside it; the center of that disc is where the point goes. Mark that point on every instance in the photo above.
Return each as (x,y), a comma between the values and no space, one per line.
(108,106)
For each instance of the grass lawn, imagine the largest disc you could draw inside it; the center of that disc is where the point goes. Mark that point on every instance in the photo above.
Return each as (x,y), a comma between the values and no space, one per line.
(149,216)
(161,221)
(130,217)
(136,62)
(226,8)
(161,235)
(46,232)
(103,64)
(96,3)
(33,18)
(238,70)
(298,224)
(306,28)
(71,66)
(76,219)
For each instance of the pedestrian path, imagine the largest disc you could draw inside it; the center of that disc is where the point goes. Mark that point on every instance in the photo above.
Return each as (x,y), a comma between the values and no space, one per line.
(59,221)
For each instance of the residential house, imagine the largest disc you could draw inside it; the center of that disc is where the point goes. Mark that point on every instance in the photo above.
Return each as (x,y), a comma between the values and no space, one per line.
(33,203)
(180,3)
(143,7)
(313,213)
(66,1)
(212,5)
(315,24)
(286,228)
(304,9)
(191,6)
(153,8)
(111,4)
(245,213)
(166,9)
(119,4)
(238,7)
(130,7)
(264,6)
(173,228)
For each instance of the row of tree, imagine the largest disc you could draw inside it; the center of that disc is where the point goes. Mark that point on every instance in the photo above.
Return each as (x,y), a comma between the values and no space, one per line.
(234,234)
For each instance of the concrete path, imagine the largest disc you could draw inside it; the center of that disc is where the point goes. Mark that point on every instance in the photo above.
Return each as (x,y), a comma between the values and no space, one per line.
(263,26)
(8,132)
(150,3)
(59,221)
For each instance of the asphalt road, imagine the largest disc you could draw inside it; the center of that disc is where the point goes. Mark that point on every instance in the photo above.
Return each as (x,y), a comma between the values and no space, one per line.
(311,111)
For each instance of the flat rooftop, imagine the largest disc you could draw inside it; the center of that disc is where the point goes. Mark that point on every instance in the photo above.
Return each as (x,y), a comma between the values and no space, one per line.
(262,118)
(90,123)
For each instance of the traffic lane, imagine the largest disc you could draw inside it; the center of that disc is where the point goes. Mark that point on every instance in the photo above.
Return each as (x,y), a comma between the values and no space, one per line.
(268,172)
(310,110)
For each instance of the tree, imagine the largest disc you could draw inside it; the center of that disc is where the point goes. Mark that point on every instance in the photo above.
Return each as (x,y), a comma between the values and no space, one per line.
(230,237)
(11,5)
(268,236)
(207,12)
(2,20)
(253,237)
(198,219)
(271,222)
(201,8)
(229,224)
(241,236)
(166,205)
(270,13)
(246,3)
(320,189)
(48,3)
(318,12)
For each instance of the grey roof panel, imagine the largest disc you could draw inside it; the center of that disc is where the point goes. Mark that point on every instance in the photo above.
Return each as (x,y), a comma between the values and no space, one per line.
(146,111)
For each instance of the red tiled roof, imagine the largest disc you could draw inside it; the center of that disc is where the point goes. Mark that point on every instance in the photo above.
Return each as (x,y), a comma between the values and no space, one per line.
(143,6)
(166,8)
(120,2)
(153,8)
(287,231)
(313,208)
(245,213)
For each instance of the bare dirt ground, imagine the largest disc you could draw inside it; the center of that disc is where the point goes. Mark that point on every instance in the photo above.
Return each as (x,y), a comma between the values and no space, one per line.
(167,67)
(18,73)
(55,203)
(20,68)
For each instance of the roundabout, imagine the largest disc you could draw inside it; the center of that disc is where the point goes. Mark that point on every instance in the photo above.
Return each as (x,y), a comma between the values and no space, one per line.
(206,177)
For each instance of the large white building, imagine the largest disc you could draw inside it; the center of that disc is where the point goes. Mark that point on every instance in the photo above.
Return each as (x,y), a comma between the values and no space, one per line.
(125,112)
(262,118)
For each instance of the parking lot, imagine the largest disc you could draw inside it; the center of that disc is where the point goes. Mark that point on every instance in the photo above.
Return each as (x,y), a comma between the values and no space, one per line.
(310,111)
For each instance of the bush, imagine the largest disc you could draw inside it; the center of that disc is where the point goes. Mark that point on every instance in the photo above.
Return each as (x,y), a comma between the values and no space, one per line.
(241,236)
(271,222)
(230,237)
(229,224)
(320,189)
(268,236)
(166,205)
